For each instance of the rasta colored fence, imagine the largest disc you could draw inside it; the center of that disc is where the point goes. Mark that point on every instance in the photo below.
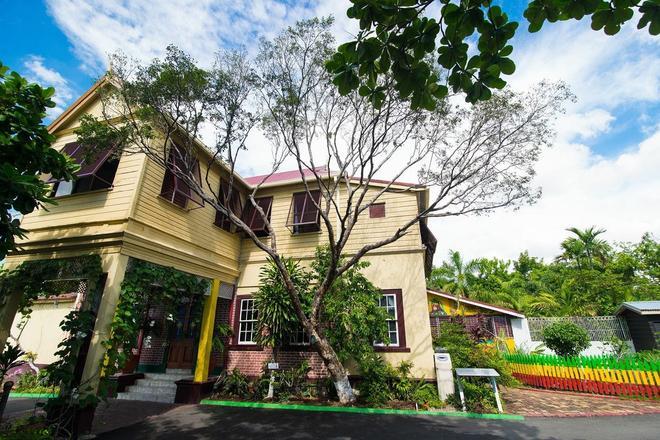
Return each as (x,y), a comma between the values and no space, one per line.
(589,374)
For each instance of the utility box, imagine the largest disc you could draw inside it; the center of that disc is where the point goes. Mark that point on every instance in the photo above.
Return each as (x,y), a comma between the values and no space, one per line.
(443,373)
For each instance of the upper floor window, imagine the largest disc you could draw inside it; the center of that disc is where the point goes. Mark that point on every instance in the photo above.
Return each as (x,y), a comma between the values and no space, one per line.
(304,212)
(97,171)
(174,188)
(377,210)
(231,201)
(253,219)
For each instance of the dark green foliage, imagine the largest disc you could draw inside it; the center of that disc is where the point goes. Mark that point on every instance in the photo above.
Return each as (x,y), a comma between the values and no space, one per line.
(382,383)
(25,153)
(32,428)
(10,358)
(397,40)
(31,382)
(277,317)
(351,305)
(565,338)
(589,277)
(292,382)
(232,384)
(465,352)
(144,284)
(479,396)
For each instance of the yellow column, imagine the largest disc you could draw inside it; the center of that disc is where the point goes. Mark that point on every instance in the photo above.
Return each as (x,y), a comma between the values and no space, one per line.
(115,266)
(206,333)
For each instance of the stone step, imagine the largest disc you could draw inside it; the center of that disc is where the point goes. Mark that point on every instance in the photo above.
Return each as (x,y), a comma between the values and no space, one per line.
(162,389)
(184,371)
(156,383)
(146,397)
(166,377)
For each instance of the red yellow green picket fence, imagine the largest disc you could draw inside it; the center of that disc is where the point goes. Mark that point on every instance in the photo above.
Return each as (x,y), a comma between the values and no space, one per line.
(590,374)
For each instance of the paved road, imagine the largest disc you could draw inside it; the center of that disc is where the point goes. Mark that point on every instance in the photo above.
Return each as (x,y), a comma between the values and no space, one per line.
(17,407)
(209,422)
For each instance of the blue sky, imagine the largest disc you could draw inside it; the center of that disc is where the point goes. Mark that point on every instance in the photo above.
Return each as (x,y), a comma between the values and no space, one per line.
(612,129)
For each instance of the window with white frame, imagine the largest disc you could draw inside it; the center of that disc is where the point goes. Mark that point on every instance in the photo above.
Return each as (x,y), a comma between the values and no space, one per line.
(247,322)
(299,337)
(388,302)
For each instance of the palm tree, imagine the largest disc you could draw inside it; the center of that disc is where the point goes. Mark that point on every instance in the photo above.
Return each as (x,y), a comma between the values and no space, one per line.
(455,275)
(586,246)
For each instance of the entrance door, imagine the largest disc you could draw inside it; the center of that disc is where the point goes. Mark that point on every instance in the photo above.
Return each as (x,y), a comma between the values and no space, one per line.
(182,353)
(182,342)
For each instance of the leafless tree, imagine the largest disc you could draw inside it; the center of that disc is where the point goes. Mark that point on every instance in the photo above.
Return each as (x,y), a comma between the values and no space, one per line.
(475,159)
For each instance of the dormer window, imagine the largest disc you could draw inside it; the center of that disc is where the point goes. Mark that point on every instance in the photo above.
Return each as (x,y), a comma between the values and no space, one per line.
(304,212)
(97,171)
(174,189)
(230,201)
(254,219)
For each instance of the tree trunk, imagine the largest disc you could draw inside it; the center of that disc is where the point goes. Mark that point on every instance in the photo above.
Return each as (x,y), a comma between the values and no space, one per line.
(338,373)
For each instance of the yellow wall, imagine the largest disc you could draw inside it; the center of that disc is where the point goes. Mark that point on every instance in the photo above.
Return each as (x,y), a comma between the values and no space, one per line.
(396,266)
(42,334)
(187,239)
(448,306)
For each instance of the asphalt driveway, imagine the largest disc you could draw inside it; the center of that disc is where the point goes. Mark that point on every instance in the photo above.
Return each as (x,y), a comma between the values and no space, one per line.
(212,422)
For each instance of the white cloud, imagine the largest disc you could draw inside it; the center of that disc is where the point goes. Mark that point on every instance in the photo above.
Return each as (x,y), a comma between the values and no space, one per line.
(620,194)
(580,188)
(47,77)
(200,27)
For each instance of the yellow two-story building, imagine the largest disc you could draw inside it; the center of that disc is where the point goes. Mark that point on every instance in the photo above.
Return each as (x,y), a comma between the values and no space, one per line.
(132,208)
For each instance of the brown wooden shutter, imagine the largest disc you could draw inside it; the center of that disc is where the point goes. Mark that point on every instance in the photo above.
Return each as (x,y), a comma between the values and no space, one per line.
(377,210)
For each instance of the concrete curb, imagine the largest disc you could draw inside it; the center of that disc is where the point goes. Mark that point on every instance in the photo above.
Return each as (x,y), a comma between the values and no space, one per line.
(350,409)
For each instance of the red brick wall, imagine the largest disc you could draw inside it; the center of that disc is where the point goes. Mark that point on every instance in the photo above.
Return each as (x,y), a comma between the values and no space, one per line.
(154,348)
(222,312)
(251,363)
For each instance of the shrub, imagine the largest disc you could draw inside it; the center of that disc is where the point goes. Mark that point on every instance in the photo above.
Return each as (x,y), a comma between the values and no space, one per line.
(291,382)
(30,382)
(31,428)
(565,338)
(465,352)
(479,397)
(382,383)
(234,384)
(374,387)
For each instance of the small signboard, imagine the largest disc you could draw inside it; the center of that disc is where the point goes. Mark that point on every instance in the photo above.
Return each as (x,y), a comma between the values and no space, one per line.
(273,366)
(477,372)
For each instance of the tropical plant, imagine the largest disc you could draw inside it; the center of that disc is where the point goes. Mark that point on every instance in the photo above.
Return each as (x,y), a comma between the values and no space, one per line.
(455,276)
(10,358)
(578,282)
(232,384)
(565,338)
(585,247)
(398,41)
(25,154)
(221,332)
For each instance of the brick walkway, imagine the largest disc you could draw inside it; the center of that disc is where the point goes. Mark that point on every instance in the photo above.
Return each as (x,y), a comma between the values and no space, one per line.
(543,403)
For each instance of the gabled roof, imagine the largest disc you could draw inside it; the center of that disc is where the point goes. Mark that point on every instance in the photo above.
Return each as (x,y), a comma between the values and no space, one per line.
(479,304)
(275,179)
(640,307)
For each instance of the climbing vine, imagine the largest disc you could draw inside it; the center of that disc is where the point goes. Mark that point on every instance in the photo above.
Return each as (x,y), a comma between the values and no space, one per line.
(42,278)
(144,285)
